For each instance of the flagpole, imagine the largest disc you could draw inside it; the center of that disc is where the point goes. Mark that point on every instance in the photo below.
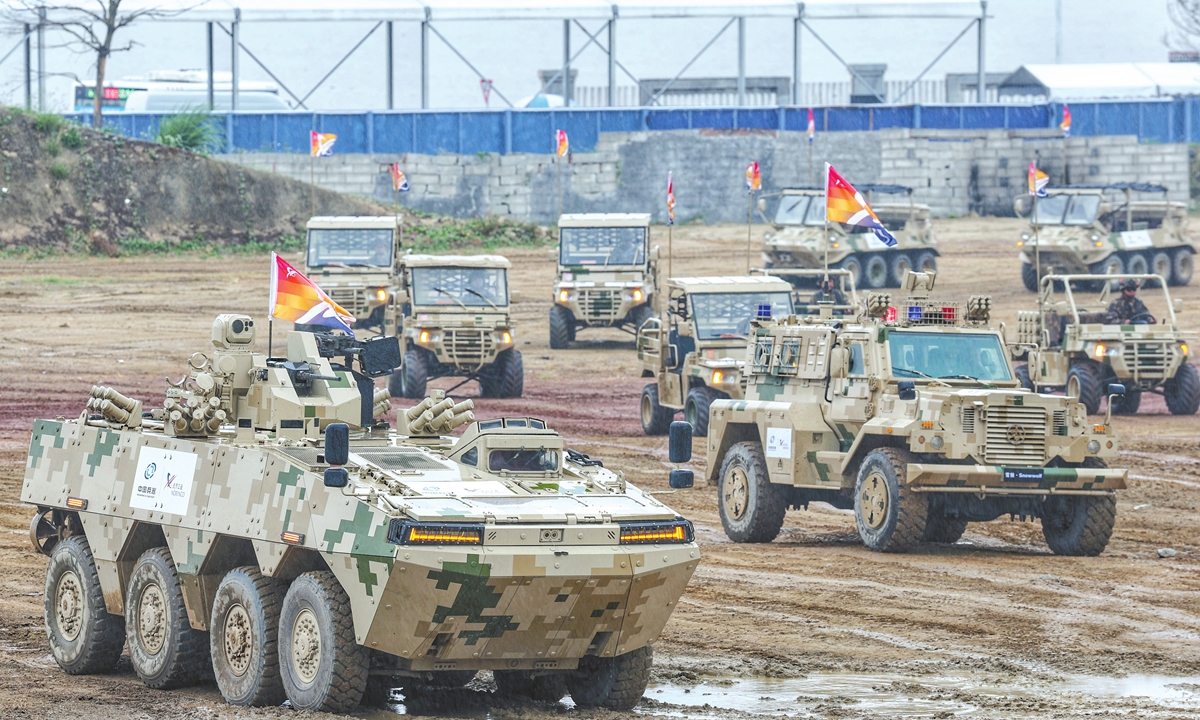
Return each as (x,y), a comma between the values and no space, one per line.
(560,194)
(811,180)
(749,231)
(1037,246)
(670,251)
(270,335)
(312,185)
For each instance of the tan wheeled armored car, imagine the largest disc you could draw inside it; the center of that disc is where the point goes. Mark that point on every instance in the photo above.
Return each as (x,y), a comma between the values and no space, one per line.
(354,260)
(1068,344)
(1103,230)
(455,322)
(798,237)
(265,526)
(696,353)
(606,274)
(913,418)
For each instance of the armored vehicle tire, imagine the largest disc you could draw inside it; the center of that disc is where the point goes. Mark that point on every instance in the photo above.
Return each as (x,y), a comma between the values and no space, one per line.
(543,688)
(1029,277)
(244,635)
(639,315)
(1022,374)
(890,516)
(410,377)
(1112,265)
(656,419)
(1079,525)
(1129,404)
(1084,384)
(507,377)
(926,262)
(900,264)
(1182,392)
(944,529)
(696,408)
(875,271)
(1136,264)
(853,265)
(562,327)
(322,666)
(752,507)
(1160,264)
(84,638)
(613,683)
(1182,266)
(166,652)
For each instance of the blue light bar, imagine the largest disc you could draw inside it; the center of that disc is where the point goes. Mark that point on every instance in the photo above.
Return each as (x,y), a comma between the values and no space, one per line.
(914,312)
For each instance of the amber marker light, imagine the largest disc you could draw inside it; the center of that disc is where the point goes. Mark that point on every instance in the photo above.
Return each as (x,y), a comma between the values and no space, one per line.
(563,296)
(76,503)
(1183,348)
(1099,429)
(506,337)
(641,533)
(381,295)
(637,295)
(1100,351)
(408,533)
(292,538)
(424,336)
(718,377)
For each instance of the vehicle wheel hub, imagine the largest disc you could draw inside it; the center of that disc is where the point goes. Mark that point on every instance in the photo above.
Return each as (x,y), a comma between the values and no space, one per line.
(68,605)
(874,500)
(152,619)
(735,493)
(306,646)
(238,646)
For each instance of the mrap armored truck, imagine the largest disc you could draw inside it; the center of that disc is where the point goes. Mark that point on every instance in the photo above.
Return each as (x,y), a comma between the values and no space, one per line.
(354,260)
(266,526)
(913,418)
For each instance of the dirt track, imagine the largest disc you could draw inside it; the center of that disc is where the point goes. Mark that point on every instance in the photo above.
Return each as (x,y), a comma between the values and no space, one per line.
(995,625)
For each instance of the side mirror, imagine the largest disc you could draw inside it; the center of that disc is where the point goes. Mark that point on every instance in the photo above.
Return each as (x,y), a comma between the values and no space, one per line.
(684,329)
(336,477)
(762,205)
(1116,389)
(908,389)
(514,296)
(680,442)
(337,444)
(839,362)
(682,479)
(654,253)
(401,297)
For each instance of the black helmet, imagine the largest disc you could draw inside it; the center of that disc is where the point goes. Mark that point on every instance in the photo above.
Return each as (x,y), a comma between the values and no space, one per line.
(1129,284)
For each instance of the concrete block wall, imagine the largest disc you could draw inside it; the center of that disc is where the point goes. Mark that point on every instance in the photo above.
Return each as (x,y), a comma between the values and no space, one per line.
(955,172)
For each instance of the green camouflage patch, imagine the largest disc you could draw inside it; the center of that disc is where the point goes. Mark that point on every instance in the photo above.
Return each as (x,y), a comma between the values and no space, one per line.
(474,596)
(106,442)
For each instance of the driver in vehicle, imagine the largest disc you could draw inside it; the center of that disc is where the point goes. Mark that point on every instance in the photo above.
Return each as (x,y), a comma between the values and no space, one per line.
(379,256)
(625,252)
(829,292)
(1128,308)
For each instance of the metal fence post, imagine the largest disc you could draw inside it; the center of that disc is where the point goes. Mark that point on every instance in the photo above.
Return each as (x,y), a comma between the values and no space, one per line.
(370,121)
(233,59)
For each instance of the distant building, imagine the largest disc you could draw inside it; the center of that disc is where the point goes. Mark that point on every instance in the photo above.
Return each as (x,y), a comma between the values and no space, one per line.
(1039,83)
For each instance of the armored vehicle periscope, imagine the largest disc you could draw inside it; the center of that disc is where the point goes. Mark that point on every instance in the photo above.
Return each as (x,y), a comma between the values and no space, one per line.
(353,259)
(798,239)
(1068,343)
(914,419)
(265,523)
(456,323)
(1090,229)
(605,274)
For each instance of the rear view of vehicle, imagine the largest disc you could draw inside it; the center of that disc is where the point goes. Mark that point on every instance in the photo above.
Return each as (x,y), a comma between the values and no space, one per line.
(605,274)
(353,259)
(798,238)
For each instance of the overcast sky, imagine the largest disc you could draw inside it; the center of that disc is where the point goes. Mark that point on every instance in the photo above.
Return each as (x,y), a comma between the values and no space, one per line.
(1019,32)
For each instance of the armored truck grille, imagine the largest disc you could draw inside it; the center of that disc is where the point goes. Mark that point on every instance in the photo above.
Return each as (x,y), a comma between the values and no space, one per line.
(968,420)
(399,460)
(1016,435)
(352,299)
(600,304)
(1060,422)
(467,346)
(1142,357)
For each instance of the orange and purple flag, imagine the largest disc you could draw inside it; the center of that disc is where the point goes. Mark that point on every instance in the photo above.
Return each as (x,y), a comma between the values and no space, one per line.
(670,200)
(753,179)
(322,143)
(564,146)
(399,181)
(1065,125)
(296,298)
(812,127)
(1038,181)
(844,204)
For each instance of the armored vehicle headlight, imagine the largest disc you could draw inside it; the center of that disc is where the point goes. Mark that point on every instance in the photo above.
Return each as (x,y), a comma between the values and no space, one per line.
(1024,236)
(424,336)
(564,296)
(641,533)
(637,295)
(1093,446)
(718,377)
(1100,350)
(410,533)
(1095,237)
(1183,348)
(506,337)
(937,443)
(381,295)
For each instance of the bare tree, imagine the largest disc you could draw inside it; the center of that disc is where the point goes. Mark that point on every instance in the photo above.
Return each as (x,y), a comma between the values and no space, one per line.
(92,28)
(1186,16)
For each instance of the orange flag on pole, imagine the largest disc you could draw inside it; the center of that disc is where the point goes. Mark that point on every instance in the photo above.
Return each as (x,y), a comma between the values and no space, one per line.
(296,298)
(563,145)
(844,204)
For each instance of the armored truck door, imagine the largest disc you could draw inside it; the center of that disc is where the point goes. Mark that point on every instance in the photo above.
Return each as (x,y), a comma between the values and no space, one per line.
(851,396)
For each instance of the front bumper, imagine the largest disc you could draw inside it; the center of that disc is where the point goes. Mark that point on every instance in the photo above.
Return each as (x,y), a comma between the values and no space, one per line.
(990,480)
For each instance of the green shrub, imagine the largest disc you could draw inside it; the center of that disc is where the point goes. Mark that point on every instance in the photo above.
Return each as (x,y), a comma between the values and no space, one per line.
(59,171)
(48,123)
(191,129)
(52,147)
(487,232)
(72,138)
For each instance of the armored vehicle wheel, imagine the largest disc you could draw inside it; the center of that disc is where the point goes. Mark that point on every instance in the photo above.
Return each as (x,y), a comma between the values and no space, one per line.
(542,688)
(243,634)
(890,516)
(926,262)
(1137,264)
(1160,264)
(613,683)
(696,407)
(1029,277)
(1112,265)
(1182,392)
(1079,525)
(1128,405)
(944,529)
(414,373)
(1022,375)
(752,507)
(875,271)
(639,315)
(507,377)
(166,652)
(562,327)
(900,264)
(322,665)
(853,265)
(1084,384)
(1182,266)
(656,419)
(84,638)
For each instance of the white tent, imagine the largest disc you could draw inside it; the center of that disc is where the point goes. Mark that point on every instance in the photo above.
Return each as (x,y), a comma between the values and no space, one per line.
(1102,80)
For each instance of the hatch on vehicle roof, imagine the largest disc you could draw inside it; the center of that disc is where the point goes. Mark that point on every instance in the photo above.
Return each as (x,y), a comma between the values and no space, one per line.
(732,284)
(604,220)
(334,222)
(487,261)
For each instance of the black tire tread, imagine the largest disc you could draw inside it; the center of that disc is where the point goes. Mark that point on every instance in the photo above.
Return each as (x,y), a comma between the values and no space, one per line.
(660,423)
(561,325)
(414,367)
(702,397)
(543,688)
(270,591)
(1090,390)
(613,683)
(108,631)
(1029,277)
(191,663)
(350,671)
(912,508)
(1129,404)
(770,501)
(944,529)
(1182,392)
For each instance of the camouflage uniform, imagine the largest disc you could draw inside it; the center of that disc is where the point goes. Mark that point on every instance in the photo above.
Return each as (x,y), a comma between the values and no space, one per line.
(1124,308)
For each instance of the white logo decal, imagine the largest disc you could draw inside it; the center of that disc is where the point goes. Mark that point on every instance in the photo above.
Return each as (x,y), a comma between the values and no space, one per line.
(163,480)
(779,442)
(1136,239)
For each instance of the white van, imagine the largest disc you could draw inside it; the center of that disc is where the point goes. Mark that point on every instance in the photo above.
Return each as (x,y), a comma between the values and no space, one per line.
(166,101)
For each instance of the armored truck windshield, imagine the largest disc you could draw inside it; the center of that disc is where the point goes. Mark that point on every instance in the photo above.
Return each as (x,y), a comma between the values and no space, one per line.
(728,315)
(942,356)
(350,247)
(469,286)
(1067,210)
(602,246)
(522,460)
(801,210)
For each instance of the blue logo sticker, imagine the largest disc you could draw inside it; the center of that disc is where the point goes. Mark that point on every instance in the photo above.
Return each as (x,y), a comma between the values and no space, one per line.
(150,470)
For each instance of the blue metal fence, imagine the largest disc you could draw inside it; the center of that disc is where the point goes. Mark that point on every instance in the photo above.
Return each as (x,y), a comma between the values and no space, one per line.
(532,130)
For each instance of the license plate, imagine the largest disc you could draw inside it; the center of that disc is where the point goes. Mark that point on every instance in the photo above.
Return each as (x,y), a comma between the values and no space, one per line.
(1024,474)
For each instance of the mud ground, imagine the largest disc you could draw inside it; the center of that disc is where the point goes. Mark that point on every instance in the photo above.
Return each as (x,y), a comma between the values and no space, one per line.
(812,602)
